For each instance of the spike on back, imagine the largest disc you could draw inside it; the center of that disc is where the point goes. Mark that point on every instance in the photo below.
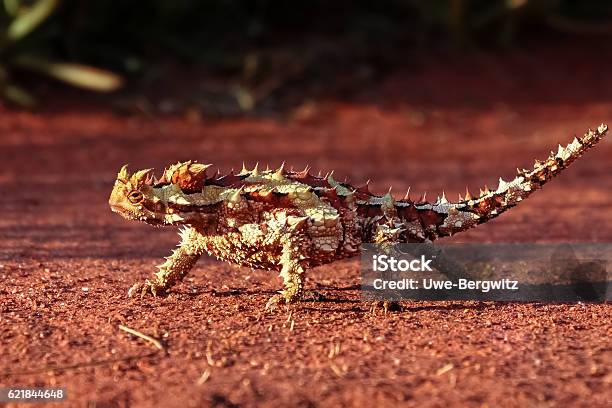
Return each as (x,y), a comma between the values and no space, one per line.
(443,199)
(279,173)
(304,173)
(407,196)
(423,198)
(227,180)
(189,175)
(365,188)
(468,196)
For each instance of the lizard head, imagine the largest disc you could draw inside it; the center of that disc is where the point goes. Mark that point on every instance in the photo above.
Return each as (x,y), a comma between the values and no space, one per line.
(134,198)
(175,199)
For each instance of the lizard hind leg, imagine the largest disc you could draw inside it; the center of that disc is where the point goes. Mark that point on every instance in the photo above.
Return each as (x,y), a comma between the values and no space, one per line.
(293,267)
(387,236)
(293,289)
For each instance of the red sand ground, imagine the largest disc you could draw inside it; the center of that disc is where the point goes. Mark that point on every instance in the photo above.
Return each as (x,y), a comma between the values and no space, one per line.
(66,262)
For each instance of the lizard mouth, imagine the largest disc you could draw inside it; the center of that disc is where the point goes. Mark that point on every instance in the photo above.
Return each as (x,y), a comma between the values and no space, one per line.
(133,216)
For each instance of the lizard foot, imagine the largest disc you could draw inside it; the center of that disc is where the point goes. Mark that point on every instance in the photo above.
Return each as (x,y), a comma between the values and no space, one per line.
(274,301)
(280,298)
(283,297)
(144,289)
(387,305)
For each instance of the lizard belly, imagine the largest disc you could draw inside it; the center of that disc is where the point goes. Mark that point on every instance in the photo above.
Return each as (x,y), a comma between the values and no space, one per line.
(234,248)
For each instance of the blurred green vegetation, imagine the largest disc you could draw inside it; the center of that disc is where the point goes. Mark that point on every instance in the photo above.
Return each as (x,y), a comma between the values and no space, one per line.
(233,36)
(22,49)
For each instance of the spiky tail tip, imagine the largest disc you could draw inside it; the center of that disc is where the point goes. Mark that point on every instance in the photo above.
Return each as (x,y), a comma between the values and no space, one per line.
(470,212)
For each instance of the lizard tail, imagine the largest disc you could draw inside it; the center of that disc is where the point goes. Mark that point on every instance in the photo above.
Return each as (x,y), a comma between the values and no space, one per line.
(469,212)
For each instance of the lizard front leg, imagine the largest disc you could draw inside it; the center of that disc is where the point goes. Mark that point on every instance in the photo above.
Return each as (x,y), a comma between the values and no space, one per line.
(177,265)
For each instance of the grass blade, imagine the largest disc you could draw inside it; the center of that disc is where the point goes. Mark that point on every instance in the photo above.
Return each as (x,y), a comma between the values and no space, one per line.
(27,21)
(82,76)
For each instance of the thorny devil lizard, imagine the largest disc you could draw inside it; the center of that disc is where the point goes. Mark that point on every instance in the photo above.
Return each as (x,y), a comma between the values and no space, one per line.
(290,221)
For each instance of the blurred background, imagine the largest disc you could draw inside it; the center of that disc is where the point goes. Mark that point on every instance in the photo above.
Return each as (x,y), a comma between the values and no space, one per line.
(227,57)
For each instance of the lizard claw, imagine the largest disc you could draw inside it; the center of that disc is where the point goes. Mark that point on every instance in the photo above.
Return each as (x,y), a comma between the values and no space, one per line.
(283,297)
(279,298)
(273,302)
(143,289)
(387,305)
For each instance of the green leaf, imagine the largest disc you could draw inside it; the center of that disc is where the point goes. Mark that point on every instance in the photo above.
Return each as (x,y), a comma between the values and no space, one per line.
(27,21)
(11,7)
(82,76)
(18,96)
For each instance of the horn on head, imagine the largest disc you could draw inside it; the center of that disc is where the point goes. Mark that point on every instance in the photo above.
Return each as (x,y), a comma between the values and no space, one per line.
(142,177)
(123,174)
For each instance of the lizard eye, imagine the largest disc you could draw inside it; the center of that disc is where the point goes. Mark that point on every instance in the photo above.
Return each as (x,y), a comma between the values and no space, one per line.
(135,197)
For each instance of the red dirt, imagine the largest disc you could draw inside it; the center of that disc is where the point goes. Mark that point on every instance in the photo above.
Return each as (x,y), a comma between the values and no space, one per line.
(66,262)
